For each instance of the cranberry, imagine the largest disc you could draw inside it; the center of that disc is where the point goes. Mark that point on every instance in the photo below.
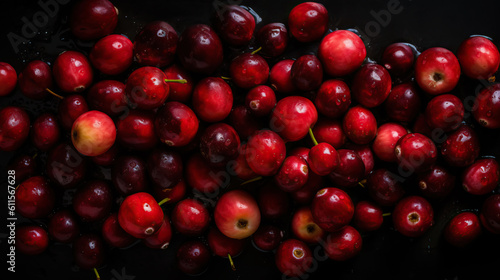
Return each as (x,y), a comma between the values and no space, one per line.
(384,187)
(200,49)
(72,72)
(174,194)
(63,226)
(273,39)
(308,21)
(365,153)
(93,19)
(333,98)
(481,177)
(489,214)
(129,175)
(304,227)
(245,123)
(292,117)
(280,76)
(222,245)
(437,70)
(212,99)
(235,25)
(203,177)
(265,153)
(293,258)
(35,198)
(344,244)
(413,216)
(219,144)
(436,183)
(462,229)
(93,201)
(193,257)
(65,166)
(360,125)
(161,238)
(398,59)
(164,167)
(461,147)
(486,110)
(479,57)
(350,171)
(45,132)
(306,194)
(88,251)
(323,159)
(112,55)
(179,91)
(329,131)
(403,103)
(261,100)
(341,52)
(301,152)
(35,79)
(444,112)
(31,240)
(387,136)
(155,44)
(190,217)
(176,124)
(371,85)
(249,70)
(24,166)
(332,209)
(70,108)
(136,131)
(267,237)
(108,96)
(8,78)
(307,73)
(140,215)
(237,214)
(368,216)
(14,128)
(415,152)
(113,234)
(240,166)
(147,88)
(292,174)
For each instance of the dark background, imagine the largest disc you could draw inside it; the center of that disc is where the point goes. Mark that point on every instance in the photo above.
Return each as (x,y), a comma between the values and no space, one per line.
(385,253)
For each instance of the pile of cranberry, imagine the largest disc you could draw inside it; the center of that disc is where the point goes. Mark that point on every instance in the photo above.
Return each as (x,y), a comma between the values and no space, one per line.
(219,150)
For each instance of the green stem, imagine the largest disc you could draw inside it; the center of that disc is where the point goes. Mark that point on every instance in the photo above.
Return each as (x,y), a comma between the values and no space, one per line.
(231,262)
(163,201)
(257,50)
(97,274)
(225,78)
(251,180)
(180,81)
(386,214)
(312,137)
(53,93)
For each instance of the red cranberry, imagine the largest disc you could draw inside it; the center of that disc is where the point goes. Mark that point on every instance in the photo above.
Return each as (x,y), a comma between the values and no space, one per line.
(292,117)
(365,153)
(415,152)
(108,96)
(436,183)
(219,144)
(249,70)
(72,72)
(93,201)
(371,85)
(63,226)
(301,152)
(304,227)
(35,79)
(147,88)
(161,238)
(384,187)
(88,251)
(140,215)
(293,258)
(176,124)
(8,78)
(344,244)
(212,99)
(14,128)
(332,209)
(329,131)
(333,98)
(222,245)
(489,214)
(341,52)
(113,234)
(65,166)
(267,238)
(179,91)
(461,147)
(479,57)
(129,175)
(136,131)
(305,195)
(193,257)
(174,194)
(24,166)
(437,70)
(200,49)
(462,229)
(323,159)
(273,39)
(308,21)
(35,198)
(261,100)
(112,55)
(265,153)
(280,76)
(190,217)
(387,136)
(403,103)
(70,108)
(413,216)
(360,125)
(45,132)
(350,171)
(368,216)
(486,110)
(93,19)
(398,58)
(164,167)
(240,166)
(155,44)
(307,73)
(245,123)
(203,177)
(292,174)
(481,177)
(235,25)
(444,112)
(31,240)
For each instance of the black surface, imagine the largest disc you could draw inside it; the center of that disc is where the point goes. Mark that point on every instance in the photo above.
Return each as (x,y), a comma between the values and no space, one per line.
(386,254)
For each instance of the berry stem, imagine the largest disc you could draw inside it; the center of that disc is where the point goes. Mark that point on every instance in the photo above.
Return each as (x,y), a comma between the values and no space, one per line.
(386,214)
(97,274)
(163,201)
(251,180)
(257,50)
(362,183)
(180,81)
(312,137)
(53,93)
(225,78)
(231,262)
